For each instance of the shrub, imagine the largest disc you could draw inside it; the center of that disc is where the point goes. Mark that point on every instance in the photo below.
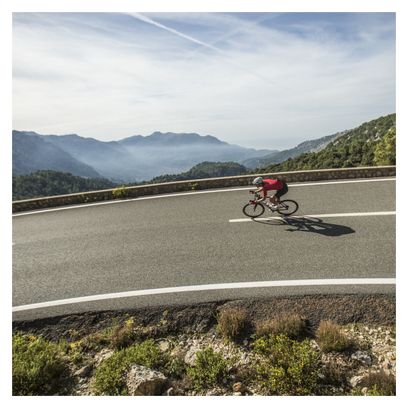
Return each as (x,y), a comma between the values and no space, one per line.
(385,150)
(291,325)
(379,383)
(92,342)
(330,337)
(109,376)
(175,367)
(38,366)
(120,192)
(335,374)
(123,336)
(289,367)
(95,341)
(231,322)
(210,368)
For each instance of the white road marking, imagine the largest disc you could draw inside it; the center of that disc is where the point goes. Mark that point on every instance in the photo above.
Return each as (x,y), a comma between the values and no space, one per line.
(217,286)
(305,184)
(361,214)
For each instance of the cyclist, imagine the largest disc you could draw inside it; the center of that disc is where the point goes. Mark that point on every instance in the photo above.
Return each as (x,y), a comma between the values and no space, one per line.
(266,185)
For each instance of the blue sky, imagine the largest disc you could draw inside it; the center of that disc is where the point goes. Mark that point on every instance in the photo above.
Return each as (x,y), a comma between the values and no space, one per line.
(263,80)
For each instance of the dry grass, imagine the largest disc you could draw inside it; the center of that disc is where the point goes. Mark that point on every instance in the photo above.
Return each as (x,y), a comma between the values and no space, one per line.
(232,322)
(123,336)
(330,337)
(379,383)
(291,325)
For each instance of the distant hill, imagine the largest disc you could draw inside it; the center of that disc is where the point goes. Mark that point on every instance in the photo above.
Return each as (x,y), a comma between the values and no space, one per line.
(48,183)
(371,144)
(174,153)
(112,160)
(204,170)
(140,158)
(278,157)
(31,153)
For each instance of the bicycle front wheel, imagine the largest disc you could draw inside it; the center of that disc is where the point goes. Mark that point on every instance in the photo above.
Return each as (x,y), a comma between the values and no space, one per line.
(287,207)
(253,210)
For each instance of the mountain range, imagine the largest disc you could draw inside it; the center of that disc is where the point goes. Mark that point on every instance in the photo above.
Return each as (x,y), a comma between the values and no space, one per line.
(167,156)
(32,153)
(136,158)
(279,156)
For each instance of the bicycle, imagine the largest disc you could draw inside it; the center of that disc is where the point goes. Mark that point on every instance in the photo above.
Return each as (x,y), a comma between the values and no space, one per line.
(255,208)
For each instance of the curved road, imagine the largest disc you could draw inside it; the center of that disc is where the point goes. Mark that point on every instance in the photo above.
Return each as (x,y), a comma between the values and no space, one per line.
(343,230)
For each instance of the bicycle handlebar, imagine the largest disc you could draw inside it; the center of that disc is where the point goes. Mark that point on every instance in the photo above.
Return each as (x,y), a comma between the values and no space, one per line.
(257,196)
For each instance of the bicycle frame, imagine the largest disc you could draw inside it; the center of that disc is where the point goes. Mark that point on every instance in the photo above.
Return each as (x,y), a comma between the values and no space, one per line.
(257,196)
(255,201)
(285,207)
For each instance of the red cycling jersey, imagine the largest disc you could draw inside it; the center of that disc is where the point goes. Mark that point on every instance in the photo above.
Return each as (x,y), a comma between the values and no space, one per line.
(269,184)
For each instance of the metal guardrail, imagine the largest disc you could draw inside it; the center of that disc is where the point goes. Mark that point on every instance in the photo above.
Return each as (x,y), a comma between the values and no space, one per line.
(200,184)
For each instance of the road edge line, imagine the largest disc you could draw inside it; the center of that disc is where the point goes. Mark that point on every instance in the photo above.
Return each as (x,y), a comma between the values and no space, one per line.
(207,287)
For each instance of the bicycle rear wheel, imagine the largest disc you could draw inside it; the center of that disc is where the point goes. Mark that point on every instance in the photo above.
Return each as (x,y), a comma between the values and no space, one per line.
(253,210)
(287,207)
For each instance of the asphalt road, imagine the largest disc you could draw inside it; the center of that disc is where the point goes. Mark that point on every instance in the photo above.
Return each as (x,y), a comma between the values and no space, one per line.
(189,240)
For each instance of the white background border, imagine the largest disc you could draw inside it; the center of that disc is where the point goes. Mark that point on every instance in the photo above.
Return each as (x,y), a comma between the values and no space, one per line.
(9,6)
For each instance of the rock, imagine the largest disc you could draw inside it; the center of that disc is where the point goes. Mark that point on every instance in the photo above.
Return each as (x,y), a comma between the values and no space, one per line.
(164,346)
(170,391)
(239,387)
(387,365)
(178,353)
(84,371)
(390,355)
(144,381)
(103,355)
(362,356)
(236,394)
(216,391)
(190,357)
(245,359)
(356,380)
(314,345)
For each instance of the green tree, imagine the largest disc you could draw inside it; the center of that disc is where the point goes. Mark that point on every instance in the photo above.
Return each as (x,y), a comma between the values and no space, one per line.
(385,151)
(46,183)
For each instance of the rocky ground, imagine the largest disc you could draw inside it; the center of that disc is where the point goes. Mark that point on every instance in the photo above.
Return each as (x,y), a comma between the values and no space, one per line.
(369,320)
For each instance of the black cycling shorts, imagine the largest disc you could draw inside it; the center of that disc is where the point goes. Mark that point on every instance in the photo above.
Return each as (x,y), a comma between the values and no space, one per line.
(282,191)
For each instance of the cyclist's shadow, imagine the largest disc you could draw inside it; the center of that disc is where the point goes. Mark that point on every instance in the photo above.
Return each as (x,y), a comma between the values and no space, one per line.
(308,224)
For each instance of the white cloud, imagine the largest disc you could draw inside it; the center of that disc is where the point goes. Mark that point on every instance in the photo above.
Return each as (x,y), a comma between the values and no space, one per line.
(252,83)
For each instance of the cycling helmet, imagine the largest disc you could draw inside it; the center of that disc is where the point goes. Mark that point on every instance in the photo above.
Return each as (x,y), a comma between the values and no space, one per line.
(257,180)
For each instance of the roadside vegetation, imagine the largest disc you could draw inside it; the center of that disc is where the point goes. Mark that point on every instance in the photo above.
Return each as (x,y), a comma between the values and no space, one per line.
(278,355)
(291,325)
(45,183)
(288,367)
(209,369)
(232,322)
(109,375)
(330,337)
(39,366)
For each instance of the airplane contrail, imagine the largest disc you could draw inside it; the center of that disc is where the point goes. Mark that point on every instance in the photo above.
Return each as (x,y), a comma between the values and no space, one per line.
(221,52)
(171,30)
